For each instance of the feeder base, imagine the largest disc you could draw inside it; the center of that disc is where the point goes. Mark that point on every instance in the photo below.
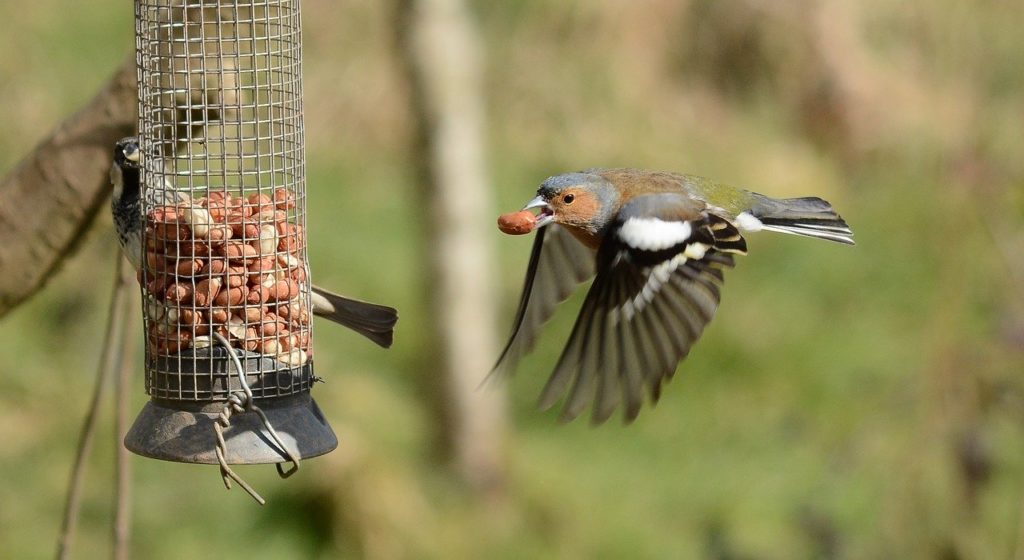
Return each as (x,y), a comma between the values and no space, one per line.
(183,431)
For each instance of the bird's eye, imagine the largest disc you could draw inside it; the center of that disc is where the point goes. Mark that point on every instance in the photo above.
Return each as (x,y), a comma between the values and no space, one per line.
(568,199)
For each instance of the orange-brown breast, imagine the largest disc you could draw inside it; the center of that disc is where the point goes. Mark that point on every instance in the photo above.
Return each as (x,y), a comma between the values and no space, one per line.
(585,237)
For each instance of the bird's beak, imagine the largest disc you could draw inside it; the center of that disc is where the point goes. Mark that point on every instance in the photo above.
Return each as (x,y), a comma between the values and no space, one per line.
(546,215)
(135,155)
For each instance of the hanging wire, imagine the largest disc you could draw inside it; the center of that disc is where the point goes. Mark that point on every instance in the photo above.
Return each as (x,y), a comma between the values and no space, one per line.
(240,402)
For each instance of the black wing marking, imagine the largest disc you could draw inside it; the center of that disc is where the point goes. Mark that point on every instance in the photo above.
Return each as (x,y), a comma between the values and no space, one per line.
(558,263)
(643,313)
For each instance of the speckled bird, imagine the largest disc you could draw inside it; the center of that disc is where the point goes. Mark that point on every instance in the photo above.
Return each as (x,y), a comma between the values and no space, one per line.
(656,244)
(376,322)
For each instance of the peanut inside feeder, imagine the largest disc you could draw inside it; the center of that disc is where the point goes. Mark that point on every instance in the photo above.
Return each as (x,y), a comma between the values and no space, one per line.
(226,264)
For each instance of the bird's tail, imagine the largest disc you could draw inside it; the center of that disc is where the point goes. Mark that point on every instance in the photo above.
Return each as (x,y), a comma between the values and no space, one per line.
(809,216)
(376,322)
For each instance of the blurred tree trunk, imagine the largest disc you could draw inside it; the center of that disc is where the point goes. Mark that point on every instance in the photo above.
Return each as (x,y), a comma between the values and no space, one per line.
(48,201)
(440,50)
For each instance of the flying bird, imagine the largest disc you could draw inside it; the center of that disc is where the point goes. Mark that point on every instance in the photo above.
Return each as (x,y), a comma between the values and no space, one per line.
(373,321)
(656,244)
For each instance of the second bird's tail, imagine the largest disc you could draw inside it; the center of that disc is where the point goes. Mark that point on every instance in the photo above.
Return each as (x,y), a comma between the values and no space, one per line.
(809,216)
(376,322)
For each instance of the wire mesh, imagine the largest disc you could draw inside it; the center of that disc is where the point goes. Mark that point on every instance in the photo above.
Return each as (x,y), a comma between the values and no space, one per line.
(220,121)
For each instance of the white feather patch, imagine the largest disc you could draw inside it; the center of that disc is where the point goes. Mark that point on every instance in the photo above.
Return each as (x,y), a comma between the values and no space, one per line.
(652,234)
(696,251)
(746,221)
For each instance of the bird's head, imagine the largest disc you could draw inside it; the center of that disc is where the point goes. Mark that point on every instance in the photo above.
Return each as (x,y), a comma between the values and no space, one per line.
(127,154)
(585,201)
(124,172)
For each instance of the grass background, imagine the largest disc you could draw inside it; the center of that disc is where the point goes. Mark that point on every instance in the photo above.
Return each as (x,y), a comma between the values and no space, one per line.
(859,402)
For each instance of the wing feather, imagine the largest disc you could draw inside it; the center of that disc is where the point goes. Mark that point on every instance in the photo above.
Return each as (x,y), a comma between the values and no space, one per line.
(558,263)
(647,307)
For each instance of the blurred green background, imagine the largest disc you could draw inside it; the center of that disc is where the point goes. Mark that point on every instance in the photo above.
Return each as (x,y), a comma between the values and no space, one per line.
(847,402)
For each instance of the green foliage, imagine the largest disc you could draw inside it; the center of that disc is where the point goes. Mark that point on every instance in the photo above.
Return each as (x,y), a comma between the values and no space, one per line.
(860,402)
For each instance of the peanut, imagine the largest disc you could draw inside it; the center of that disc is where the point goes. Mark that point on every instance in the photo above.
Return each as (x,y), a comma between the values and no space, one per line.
(154,309)
(172,342)
(157,283)
(258,295)
(284,199)
(235,276)
(217,210)
(219,315)
(288,261)
(294,357)
(190,317)
(190,267)
(238,251)
(260,268)
(217,197)
(304,339)
(207,291)
(267,242)
(288,341)
(270,325)
(254,314)
(179,292)
(284,290)
(192,248)
(164,215)
(268,346)
(236,327)
(517,223)
(231,296)
(292,237)
(157,263)
(217,267)
(251,339)
(270,217)
(220,232)
(259,202)
(238,221)
(198,218)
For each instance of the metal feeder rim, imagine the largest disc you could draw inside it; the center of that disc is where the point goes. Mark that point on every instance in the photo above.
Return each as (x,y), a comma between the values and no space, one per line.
(183,432)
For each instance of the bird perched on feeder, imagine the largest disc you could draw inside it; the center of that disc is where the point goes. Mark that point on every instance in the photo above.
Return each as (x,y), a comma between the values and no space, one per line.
(373,321)
(658,243)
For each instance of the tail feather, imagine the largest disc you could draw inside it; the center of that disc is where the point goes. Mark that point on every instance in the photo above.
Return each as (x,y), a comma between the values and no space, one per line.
(808,216)
(376,322)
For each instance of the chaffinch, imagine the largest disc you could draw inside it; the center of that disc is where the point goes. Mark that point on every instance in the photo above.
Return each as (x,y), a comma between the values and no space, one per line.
(658,243)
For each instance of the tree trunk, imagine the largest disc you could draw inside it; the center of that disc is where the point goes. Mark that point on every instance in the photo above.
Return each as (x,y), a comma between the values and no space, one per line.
(439,50)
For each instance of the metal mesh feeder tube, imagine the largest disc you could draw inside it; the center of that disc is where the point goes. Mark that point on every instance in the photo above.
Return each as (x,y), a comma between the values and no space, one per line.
(224,271)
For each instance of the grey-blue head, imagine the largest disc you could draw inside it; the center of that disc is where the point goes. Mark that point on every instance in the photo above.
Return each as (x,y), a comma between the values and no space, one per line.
(584,201)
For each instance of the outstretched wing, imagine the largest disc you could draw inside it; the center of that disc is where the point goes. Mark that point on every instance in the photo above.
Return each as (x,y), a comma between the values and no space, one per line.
(558,263)
(659,272)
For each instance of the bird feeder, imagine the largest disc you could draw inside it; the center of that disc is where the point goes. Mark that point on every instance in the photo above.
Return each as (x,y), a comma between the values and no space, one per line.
(225,276)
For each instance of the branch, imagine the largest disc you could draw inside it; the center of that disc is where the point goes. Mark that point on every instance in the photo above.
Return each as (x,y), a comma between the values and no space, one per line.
(111,360)
(122,422)
(64,181)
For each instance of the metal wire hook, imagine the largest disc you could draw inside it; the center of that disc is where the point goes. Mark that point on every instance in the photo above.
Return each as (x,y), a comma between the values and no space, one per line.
(237,404)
